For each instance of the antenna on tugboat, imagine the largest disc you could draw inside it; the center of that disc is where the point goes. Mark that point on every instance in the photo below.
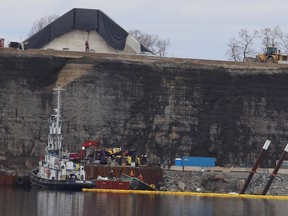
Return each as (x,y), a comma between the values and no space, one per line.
(55,125)
(58,109)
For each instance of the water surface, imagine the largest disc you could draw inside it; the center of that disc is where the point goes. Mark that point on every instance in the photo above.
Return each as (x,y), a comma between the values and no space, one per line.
(53,203)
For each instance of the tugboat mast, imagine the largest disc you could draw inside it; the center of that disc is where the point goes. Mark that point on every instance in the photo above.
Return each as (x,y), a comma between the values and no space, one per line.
(55,124)
(57,171)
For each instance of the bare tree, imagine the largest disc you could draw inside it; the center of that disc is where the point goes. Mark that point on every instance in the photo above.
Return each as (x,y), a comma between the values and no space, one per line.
(242,48)
(152,42)
(272,37)
(246,42)
(234,51)
(162,47)
(284,41)
(41,23)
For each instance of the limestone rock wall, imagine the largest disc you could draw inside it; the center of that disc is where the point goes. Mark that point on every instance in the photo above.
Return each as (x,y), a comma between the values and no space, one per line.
(164,108)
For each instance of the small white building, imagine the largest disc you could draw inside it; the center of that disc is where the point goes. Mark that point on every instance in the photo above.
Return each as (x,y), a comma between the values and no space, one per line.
(71,31)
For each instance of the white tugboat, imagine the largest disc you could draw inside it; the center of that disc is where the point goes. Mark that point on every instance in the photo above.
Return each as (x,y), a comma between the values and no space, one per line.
(56,171)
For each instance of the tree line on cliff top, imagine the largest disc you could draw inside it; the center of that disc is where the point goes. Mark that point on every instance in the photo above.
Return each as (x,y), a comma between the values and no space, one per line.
(153,42)
(244,45)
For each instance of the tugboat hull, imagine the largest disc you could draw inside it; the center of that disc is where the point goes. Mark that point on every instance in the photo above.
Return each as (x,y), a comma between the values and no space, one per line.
(68,184)
(55,170)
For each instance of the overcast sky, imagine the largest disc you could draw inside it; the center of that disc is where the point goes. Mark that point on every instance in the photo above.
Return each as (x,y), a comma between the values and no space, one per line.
(197,29)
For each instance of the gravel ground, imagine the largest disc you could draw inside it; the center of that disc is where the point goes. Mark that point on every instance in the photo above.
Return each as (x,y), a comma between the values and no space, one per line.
(218,182)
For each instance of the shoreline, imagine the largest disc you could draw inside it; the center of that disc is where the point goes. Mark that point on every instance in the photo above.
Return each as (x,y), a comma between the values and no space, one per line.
(223,180)
(229,180)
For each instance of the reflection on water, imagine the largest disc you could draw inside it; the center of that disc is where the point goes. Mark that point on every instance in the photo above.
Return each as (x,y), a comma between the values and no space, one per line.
(51,202)
(17,203)
(54,203)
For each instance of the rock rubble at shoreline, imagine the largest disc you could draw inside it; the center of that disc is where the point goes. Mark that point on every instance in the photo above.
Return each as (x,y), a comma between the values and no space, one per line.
(218,182)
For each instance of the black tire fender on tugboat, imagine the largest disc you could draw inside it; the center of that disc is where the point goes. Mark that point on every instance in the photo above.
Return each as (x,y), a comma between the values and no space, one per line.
(20,180)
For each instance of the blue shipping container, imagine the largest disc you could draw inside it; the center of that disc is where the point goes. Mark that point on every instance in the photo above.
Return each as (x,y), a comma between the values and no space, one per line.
(198,161)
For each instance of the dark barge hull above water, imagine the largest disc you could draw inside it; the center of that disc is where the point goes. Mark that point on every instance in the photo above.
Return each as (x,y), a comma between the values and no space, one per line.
(69,184)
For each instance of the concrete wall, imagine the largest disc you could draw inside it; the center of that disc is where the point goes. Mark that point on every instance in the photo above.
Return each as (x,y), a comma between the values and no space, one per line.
(75,41)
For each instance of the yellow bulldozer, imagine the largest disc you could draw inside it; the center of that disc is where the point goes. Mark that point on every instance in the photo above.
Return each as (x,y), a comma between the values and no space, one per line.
(272,55)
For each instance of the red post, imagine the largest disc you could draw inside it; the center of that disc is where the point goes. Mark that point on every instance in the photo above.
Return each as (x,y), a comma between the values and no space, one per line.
(256,165)
(275,171)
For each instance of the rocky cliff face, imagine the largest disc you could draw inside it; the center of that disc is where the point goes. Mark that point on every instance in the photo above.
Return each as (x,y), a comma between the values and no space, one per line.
(164,108)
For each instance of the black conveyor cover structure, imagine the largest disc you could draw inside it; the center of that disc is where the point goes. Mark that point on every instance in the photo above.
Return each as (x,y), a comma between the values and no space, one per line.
(81,19)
